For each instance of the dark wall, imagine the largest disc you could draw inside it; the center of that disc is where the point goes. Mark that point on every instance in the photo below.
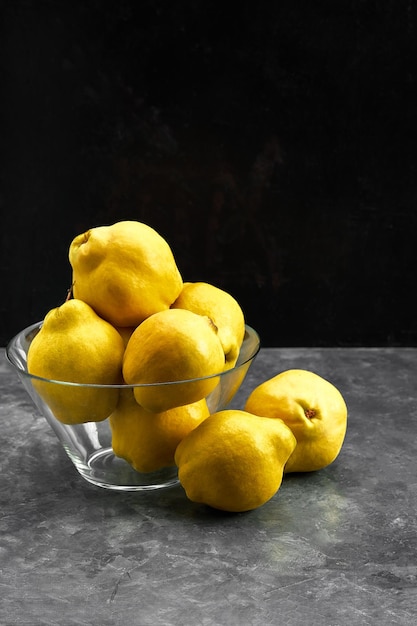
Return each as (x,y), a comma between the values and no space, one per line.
(273,144)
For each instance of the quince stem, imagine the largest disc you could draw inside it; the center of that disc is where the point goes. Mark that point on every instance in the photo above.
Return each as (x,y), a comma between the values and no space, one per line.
(69,293)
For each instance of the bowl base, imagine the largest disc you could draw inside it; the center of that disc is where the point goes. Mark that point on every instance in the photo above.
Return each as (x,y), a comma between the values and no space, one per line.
(105,469)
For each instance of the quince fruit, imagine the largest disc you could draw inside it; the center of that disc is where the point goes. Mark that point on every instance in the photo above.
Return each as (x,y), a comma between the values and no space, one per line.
(222,308)
(147,441)
(173,345)
(75,345)
(125,332)
(312,407)
(234,460)
(125,272)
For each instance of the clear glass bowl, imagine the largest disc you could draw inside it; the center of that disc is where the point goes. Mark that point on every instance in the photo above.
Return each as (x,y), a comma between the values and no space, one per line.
(88,445)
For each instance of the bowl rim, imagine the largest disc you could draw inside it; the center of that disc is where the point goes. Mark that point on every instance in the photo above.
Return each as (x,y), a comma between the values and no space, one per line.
(23,334)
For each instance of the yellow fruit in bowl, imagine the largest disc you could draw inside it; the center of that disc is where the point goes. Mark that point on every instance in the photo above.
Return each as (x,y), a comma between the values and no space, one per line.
(147,441)
(233,461)
(312,407)
(173,345)
(125,332)
(222,308)
(75,345)
(125,272)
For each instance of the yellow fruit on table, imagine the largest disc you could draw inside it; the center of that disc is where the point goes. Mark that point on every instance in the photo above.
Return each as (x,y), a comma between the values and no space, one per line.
(173,345)
(312,407)
(74,344)
(147,441)
(125,272)
(226,313)
(233,461)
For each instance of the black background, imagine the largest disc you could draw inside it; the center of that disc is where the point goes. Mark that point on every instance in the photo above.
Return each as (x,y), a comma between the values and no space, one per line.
(273,144)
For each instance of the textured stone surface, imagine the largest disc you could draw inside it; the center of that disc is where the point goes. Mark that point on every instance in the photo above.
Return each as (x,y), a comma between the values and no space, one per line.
(331,548)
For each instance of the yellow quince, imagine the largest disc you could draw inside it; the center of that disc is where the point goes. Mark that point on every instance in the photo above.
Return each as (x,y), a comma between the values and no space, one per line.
(233,461)
(125,272)
(222,308)
(76,346)
(147,441)
(170,347)
(312,407)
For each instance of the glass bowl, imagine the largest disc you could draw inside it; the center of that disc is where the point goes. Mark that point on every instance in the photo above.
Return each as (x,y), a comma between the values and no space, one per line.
(88,445)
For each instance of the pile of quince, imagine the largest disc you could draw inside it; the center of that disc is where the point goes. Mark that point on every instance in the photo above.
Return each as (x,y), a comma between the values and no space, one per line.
(131,320)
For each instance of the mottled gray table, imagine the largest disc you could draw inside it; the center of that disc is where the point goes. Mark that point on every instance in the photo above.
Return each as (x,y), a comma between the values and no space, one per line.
(331,548)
